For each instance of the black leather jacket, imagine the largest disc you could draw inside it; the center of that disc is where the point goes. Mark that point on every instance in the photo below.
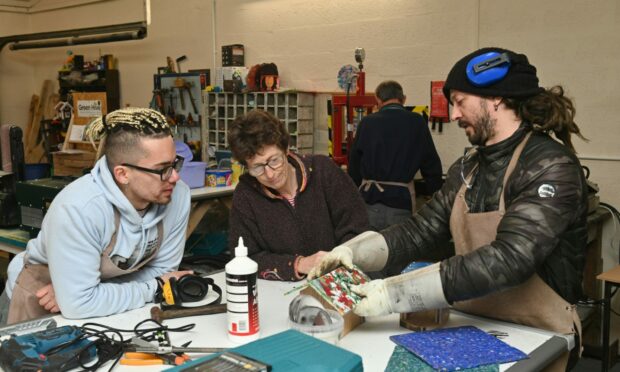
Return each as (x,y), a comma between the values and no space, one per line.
(539,233)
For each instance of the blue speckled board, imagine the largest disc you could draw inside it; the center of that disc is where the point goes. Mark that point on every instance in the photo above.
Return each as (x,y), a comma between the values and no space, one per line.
(404,361)
(451,349)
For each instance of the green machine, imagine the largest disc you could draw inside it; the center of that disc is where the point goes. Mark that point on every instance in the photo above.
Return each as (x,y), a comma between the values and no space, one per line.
(34,198)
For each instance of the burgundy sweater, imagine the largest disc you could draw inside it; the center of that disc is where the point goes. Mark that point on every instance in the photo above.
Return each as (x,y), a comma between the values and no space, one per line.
(328,211)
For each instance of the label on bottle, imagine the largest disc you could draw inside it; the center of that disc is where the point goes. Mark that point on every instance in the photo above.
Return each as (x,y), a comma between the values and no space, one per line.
(242,304)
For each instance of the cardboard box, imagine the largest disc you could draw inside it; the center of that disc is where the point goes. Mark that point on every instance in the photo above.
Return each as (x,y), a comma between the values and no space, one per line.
(87,106)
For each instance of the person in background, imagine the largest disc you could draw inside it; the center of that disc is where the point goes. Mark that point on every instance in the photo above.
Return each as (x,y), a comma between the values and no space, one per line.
(390,147)
(289,208)
(110,236)
(515,206)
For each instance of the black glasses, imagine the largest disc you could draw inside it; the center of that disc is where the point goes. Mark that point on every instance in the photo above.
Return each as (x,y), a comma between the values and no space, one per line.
(164,173)
(273,163)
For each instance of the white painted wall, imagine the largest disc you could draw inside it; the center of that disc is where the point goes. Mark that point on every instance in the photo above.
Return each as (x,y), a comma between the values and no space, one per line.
(16,74)
(573,43)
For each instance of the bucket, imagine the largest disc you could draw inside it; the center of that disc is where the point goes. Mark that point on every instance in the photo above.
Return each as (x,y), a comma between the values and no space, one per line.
(36,171)
(183,150)
(193,174)
(219,177)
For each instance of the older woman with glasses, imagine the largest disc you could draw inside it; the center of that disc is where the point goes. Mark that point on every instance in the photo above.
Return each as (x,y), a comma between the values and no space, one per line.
(290,209)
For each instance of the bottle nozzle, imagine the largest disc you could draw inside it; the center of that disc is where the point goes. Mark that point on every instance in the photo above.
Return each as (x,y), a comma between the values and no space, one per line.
(241,250)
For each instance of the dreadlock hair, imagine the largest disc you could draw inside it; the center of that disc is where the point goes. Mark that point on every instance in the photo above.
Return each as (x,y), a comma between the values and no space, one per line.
(121,131)
(248,134)
(548,111)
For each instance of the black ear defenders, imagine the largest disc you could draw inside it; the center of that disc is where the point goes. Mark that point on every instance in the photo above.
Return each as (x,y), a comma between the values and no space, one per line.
(189,288)
(487,68)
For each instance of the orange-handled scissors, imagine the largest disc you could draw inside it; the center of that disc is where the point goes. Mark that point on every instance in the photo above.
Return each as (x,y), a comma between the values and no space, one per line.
(145,359)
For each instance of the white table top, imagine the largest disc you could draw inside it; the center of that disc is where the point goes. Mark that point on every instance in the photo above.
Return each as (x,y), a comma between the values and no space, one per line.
(211,192)
(210,330)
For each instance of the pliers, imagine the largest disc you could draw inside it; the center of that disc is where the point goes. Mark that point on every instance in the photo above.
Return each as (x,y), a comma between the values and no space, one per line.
(141,352)
(145,359)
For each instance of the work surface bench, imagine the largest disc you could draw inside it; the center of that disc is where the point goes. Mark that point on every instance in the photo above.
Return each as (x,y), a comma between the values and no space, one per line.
(369,340)
(14,240)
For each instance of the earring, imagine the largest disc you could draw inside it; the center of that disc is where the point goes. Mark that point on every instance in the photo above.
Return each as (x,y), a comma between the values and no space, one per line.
(496,106)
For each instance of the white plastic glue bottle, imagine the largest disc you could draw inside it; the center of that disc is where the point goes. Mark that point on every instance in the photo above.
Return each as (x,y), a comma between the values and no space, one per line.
(242,297)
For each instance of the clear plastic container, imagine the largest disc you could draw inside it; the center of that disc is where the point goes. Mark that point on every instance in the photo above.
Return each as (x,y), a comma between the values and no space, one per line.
(328,332)
(193,173)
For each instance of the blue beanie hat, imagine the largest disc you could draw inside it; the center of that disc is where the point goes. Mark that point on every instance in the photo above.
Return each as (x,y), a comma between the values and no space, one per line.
(520,80)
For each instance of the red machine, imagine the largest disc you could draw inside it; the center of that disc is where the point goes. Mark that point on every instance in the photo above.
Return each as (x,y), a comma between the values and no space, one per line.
(348,108)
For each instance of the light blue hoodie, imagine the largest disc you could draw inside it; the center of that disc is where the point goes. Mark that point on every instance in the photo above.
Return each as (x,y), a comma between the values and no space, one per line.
(79,226)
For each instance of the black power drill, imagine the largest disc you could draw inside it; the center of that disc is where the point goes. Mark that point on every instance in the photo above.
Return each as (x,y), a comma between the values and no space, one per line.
(29,352)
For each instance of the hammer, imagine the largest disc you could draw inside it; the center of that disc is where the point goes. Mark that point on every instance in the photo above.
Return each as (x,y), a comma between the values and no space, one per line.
(159,315)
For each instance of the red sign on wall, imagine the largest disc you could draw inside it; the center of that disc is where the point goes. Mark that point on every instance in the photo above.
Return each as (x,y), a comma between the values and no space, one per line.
(439,103)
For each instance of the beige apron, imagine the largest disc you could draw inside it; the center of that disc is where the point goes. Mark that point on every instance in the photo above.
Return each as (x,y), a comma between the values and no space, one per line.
(24,302)
(365,186)
(532,303)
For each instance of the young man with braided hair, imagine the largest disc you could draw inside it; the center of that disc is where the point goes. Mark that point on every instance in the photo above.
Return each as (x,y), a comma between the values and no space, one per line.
(515,206)
(108,235)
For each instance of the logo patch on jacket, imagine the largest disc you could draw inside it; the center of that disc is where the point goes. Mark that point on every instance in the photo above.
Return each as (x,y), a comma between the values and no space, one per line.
(546,191)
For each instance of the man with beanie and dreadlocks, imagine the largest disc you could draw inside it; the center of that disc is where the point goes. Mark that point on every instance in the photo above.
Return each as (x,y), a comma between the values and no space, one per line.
(514,205)
(110,234)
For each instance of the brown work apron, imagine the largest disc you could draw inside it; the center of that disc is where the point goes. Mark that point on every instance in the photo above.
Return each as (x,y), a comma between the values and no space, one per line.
(24,302)
(365,185)
(532,303)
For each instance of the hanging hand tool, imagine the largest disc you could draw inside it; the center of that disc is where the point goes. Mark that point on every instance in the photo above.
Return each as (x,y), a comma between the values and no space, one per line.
(159,315)
(168,92)
(179,83)
(179,60)
(188,87)
(157,102)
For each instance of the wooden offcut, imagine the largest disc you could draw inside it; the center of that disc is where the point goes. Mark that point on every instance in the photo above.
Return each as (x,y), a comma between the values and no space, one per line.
(33,144)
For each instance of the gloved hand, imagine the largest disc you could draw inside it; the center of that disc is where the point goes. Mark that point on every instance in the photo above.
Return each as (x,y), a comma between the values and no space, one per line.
(339,256)
(416,290)
(307,263)
(368,251)
(376,300)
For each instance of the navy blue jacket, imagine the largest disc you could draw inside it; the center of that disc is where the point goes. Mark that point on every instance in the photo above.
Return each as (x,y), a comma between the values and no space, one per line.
(392,145)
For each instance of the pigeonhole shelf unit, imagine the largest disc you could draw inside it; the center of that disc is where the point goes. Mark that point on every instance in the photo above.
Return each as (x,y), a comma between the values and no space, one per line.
(294,108)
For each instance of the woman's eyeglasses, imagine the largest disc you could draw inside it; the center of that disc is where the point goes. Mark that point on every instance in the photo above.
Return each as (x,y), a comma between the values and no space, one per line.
(273,163)
(164,173)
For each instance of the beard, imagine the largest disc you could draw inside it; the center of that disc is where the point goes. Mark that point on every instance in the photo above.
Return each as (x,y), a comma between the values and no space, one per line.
(483,128)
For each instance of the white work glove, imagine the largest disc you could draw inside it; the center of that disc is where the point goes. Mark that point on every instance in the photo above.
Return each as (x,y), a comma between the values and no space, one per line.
(368,251)
(376,300)
(416,290)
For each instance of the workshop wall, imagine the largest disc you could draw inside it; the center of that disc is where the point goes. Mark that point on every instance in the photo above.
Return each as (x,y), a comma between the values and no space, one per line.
(175,30)
(16,74)
(410,41)
(309,41)
(418,41)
